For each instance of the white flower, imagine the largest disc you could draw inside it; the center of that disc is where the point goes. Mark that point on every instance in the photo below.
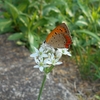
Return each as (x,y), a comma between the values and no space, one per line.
(53,61)
(41,65)
(38,53)
(64,51)
(47,48)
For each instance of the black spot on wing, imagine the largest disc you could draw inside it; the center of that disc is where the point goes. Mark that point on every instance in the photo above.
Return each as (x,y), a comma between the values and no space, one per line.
(61,30)
(55,33)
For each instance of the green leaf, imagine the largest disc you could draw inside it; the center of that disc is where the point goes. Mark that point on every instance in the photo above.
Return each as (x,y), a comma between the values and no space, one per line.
(21,7)
(12,9)
(88,33)
(24,19)
(1,13)
(68,11)
(43,37)
(62,3)
(32,18)
(6,15)
(5,24)
(81,23)
(98,22)
(41,22)
(20,43)
(15,36)
(85,9)
(33,40)
(51,20)
(49,8)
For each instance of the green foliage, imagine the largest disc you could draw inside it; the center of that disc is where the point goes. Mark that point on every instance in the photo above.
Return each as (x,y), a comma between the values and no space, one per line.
(87,39)
(5,25)
(31,20)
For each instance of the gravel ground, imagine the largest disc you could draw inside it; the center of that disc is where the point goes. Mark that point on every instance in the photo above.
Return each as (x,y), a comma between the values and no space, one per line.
(20,81)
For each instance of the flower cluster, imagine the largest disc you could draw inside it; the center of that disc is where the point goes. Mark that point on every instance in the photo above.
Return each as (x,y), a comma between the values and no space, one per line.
(47,56)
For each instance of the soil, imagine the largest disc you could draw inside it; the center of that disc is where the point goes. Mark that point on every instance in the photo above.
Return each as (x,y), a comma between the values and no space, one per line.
(20,81)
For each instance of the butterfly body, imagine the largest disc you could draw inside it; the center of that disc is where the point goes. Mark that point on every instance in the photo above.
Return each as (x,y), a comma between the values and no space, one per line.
(59,37)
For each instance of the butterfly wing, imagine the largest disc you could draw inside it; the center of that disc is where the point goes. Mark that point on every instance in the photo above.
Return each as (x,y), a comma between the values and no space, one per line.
(67,35)
(59,37)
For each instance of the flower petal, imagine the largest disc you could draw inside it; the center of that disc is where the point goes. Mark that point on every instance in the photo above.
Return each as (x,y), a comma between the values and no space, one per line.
(34,55)
(58,63)
(36,66)
(64,51)
(41,69)
(36,50)
(58,54)
(48,62)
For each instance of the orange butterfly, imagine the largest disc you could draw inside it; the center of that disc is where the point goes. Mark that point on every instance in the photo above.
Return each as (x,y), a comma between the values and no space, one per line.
(59,37)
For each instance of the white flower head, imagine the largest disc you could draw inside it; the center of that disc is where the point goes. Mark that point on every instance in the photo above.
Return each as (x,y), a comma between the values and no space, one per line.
(41,64)
(47,56)
(53,61)
(64,51)
(39,53)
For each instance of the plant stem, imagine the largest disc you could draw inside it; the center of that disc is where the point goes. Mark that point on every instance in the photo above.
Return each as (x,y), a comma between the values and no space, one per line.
(43,82)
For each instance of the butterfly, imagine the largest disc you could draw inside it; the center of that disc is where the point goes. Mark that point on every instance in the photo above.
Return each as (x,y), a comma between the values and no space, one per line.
(59,37)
